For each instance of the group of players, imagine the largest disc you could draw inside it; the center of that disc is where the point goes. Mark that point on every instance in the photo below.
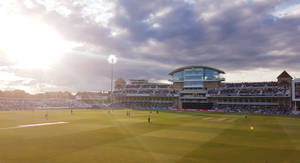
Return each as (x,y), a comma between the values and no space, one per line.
(127,114)
(148,118)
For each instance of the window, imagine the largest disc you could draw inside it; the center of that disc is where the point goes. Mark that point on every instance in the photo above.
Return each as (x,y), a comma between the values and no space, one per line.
(193,84)
(178,76)
(211,75)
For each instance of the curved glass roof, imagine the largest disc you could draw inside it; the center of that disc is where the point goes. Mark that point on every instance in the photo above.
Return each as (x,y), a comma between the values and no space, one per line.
(189,67)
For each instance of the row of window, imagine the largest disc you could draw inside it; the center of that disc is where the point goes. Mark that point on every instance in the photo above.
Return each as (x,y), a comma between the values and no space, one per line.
(196,75)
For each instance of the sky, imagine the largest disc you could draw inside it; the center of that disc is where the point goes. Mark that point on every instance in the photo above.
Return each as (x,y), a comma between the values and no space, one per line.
(63,45)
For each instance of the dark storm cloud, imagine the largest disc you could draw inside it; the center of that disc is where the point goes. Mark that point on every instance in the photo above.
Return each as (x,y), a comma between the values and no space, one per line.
(158,36)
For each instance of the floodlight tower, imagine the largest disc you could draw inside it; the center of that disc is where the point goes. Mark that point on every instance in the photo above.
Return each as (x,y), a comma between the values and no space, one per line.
(112,59)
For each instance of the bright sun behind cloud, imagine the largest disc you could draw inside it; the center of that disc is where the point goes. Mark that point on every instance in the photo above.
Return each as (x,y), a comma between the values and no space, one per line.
(30,43)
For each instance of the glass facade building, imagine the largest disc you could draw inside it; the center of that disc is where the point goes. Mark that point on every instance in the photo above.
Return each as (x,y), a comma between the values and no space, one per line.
(195,76)
(193,82)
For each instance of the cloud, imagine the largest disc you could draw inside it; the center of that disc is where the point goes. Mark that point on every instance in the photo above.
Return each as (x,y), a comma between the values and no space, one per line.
(152,38)
(289,12)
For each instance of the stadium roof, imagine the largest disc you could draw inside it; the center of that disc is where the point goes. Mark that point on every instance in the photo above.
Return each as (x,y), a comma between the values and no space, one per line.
(284,74)
(188,67)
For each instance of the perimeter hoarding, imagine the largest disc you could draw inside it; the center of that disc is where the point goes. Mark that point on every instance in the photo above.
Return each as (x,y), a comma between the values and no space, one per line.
(296,90)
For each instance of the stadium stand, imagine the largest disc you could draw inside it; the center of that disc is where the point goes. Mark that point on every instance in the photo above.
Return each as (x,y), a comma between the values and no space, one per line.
(201,87)
(143,94)
(194,87)
(40,103)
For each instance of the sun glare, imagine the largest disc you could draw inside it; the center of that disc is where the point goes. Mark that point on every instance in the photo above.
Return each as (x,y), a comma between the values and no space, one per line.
(30,43)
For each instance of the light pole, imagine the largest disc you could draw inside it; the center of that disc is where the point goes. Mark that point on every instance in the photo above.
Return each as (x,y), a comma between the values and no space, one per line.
(112,59)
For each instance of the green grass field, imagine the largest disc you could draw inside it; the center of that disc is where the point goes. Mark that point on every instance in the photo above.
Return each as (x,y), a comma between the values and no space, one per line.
(99,136)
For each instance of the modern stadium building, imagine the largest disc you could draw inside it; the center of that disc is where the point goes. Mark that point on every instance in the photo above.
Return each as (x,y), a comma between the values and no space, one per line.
(202,87)
(193,83)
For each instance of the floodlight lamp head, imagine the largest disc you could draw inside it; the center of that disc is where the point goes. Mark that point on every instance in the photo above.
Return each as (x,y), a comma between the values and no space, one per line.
(112,59)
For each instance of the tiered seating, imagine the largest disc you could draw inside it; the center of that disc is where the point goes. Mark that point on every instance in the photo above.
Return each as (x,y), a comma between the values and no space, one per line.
(146,86)
(148,89)
(213,91)
(249,89)
(271,84)
(255,109)
(132,91)
(163,86)
(228,92)
(39,103)
(275,91)
(252,84)
(162,92)
(256,84)
(232,85)
(133,86)
(249,92)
